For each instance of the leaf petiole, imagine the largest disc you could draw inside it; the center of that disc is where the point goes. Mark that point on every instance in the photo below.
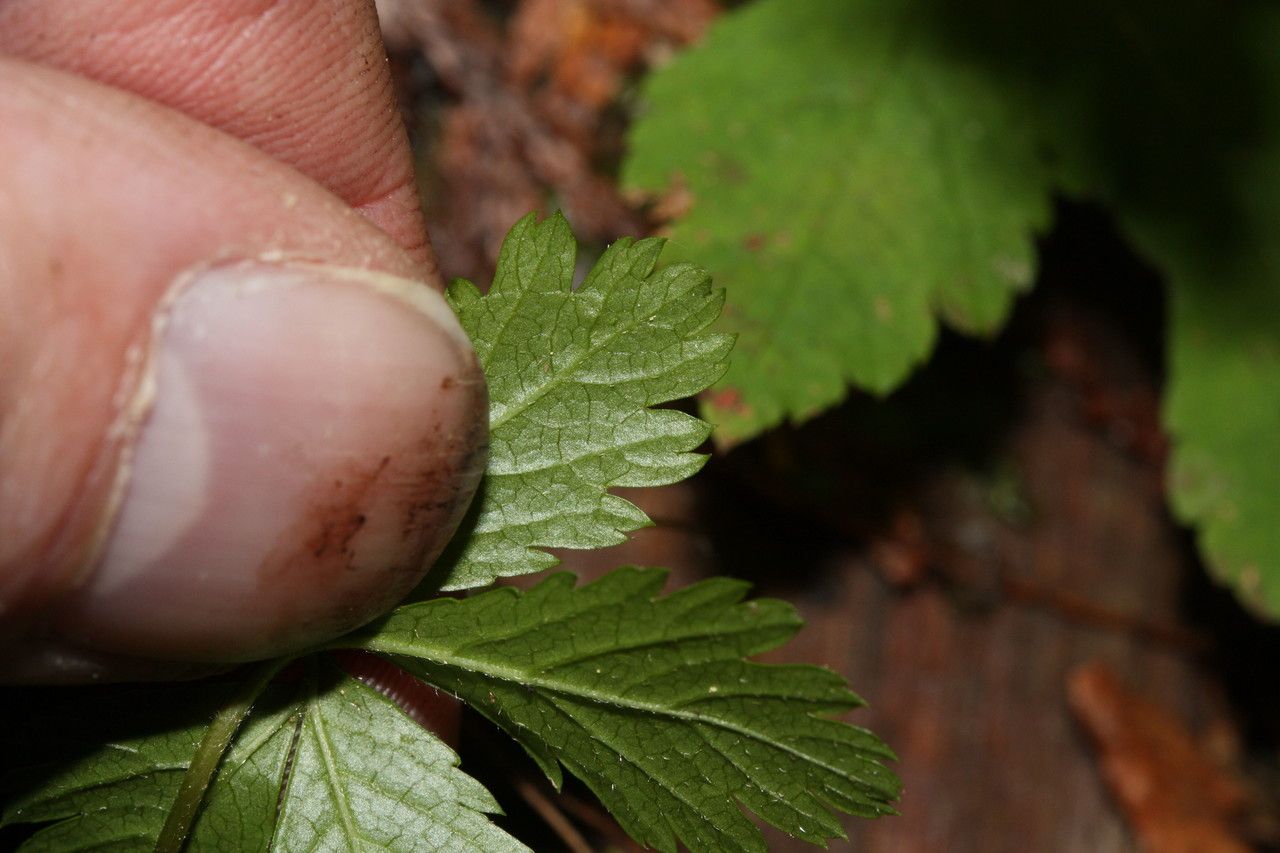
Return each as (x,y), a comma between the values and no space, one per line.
(204,764)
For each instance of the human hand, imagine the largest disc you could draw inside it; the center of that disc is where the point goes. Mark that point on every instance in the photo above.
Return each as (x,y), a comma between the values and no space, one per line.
(234,421)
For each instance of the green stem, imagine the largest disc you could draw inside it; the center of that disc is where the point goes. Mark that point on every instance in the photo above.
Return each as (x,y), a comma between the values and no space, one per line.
(177,826)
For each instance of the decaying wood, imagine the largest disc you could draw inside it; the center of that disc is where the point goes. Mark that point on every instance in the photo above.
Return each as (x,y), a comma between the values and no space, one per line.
(1176,797)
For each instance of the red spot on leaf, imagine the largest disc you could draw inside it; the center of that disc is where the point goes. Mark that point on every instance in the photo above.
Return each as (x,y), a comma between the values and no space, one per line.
(728,399)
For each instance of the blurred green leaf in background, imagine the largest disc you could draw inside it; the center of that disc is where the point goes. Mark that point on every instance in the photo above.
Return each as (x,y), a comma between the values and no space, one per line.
(860,171)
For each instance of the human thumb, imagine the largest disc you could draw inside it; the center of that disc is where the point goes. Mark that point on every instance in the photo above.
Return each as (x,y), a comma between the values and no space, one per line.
(232,423)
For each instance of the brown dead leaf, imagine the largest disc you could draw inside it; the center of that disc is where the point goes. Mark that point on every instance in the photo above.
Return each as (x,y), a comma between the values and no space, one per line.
(677,21)
(524,124)
(1174,796)
(572,59)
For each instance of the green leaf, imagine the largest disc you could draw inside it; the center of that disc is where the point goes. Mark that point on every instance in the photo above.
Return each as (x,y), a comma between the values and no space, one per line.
(1222,397)
(851,184)
(893,160)
(573,377)
(1191,167)
(323,764)
(649,701)
(1223,412)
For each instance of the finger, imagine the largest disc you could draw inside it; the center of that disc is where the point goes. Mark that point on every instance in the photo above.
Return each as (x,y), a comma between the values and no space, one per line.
(306,81)
(229,424)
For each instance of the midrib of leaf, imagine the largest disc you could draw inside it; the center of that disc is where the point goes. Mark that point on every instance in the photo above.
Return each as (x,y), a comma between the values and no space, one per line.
(515,676)
(331,768)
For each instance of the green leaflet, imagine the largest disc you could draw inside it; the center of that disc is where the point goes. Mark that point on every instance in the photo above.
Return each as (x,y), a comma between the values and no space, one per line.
(324,763)
(573,376)
(363,777)
(650,702)
(850,185)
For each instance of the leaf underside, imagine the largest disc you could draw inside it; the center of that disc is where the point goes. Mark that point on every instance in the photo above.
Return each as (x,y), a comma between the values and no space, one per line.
(573,377)
(324,763)
(649,701)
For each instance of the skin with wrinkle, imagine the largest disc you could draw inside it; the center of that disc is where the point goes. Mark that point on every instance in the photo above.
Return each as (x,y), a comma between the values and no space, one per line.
(328,110)
(81,313)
